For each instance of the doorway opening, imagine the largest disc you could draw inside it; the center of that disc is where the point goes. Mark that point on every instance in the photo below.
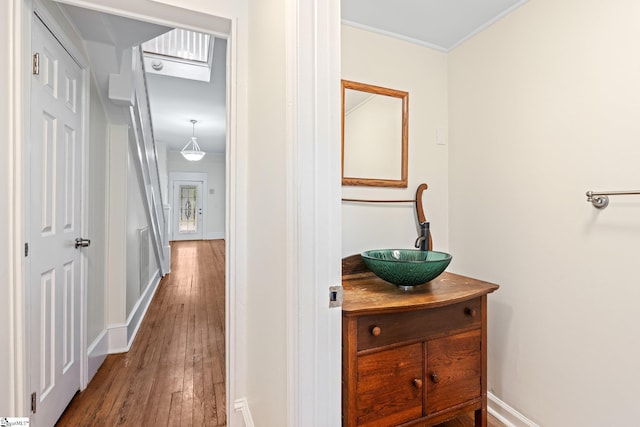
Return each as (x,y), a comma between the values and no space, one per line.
(82,24)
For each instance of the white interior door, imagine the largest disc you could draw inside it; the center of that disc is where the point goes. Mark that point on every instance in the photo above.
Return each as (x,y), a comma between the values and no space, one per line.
(55,173)
(188,220)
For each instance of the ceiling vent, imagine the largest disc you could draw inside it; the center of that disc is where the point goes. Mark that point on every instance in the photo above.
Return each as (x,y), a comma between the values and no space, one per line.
(180,53)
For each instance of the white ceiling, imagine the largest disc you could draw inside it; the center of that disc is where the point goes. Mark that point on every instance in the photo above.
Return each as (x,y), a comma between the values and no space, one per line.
(440,24)
(174,102)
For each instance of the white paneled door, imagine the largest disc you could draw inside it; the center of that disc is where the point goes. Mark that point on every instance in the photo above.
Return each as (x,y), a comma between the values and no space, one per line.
(54,218)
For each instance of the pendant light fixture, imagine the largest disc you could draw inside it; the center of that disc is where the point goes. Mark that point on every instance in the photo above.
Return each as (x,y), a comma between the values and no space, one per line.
(191,151)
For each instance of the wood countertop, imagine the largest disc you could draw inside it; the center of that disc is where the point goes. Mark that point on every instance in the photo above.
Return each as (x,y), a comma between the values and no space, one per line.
(364,292)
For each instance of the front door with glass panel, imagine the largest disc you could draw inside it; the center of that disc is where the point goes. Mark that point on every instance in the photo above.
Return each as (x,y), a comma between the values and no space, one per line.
(187,210)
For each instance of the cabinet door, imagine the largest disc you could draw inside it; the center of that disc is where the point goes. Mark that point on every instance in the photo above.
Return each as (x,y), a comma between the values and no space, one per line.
(453,370)
(389,386)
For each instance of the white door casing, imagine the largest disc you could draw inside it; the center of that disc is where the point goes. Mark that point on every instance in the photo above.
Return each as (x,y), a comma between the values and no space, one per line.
(55,163)
(188,218)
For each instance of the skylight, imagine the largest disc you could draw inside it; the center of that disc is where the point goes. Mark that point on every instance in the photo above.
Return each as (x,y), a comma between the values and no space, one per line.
(180,53)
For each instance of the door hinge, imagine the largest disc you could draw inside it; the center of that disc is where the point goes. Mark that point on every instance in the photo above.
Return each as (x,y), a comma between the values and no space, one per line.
(26,249)
(33,402)
(335,296)
(36,64)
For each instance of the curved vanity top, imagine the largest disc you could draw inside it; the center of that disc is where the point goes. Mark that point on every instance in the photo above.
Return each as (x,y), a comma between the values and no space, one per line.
(365,292)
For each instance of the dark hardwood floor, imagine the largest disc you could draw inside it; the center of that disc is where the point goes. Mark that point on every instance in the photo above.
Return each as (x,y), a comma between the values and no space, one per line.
(468,422)
(175,371)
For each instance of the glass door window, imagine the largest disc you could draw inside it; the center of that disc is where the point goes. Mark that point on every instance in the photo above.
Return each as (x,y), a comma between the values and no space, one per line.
(188,222)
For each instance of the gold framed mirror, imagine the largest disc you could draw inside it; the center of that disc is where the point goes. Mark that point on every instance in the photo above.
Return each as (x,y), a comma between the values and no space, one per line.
(375,135)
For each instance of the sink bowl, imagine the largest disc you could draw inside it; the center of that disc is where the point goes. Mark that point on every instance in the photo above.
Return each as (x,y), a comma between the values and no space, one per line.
(406,267)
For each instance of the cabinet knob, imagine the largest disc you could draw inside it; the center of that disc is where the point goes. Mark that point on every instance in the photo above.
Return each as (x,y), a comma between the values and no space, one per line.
(417,383)
(376,331)
(435,378)
(470,311)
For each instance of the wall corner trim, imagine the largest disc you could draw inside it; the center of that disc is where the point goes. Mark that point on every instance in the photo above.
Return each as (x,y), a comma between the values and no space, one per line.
(117,338)
(506,414)
(121,336)
(97,353)
(242,405)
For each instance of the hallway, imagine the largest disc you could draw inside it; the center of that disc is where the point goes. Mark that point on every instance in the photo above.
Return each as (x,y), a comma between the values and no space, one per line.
(174,373)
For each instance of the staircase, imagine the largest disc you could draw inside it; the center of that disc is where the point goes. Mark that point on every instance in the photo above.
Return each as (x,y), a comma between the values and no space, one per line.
(129,88)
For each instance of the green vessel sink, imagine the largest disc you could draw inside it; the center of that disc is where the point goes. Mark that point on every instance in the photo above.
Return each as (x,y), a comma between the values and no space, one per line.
(406,267)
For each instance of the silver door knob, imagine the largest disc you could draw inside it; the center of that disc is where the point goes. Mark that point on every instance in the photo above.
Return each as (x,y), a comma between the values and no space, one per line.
(82,243)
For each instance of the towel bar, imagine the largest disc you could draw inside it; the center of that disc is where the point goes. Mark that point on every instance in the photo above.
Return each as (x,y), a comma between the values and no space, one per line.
(600,199)
(417,201)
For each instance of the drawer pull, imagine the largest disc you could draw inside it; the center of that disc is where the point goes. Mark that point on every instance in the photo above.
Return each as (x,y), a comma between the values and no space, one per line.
(470,311)
(376,331)
(417,383)
(435,378)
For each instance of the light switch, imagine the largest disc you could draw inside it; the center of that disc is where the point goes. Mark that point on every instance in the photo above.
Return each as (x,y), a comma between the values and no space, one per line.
(211,191)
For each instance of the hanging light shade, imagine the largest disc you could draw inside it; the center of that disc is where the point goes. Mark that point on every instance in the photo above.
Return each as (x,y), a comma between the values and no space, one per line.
(191,151)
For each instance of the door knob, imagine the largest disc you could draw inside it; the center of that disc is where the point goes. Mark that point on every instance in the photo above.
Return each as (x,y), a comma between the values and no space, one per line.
(82,243)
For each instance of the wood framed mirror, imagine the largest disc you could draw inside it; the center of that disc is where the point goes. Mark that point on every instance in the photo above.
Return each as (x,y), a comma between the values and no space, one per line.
(375,135)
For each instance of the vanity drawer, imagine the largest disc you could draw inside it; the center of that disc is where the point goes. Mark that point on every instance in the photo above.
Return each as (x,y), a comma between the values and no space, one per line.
(384,329)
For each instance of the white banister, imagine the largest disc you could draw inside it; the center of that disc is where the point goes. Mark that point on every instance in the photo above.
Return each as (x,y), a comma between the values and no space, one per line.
(146,156)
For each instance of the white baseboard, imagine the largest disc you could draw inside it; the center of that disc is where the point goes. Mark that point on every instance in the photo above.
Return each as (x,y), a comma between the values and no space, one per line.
(121,336)
(506,414)
(167,256)
(96,353)
(215,235)
(140,309)
(242,405)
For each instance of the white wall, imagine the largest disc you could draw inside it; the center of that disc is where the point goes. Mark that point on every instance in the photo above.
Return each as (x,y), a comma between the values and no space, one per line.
(161,152)
(545,105)
(7,245)
(98,145)
(266,219)
(384,61)
(136,219)
(127,215)
(214,166)
(118,198)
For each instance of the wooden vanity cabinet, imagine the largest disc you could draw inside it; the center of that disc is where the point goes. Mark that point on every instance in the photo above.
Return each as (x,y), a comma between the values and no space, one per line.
(413,358)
